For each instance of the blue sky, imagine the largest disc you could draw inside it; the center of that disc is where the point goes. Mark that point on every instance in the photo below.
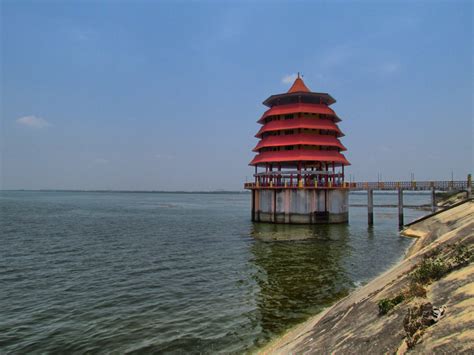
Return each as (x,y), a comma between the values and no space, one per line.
(155,95)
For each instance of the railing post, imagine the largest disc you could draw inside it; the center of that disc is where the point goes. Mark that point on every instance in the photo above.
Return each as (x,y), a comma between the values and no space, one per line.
(433,199)
(370,206)
(400,207)
(469,185)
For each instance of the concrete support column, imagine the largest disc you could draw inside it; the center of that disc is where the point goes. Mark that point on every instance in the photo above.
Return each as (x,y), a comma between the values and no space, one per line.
(370,206)
(313,206)
(325,200)
(287,205)
(274,206)
(400,207)
(433,199)
(257,205)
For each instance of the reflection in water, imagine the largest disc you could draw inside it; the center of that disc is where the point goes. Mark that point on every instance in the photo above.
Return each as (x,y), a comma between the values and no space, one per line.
(299,272)
(370,232)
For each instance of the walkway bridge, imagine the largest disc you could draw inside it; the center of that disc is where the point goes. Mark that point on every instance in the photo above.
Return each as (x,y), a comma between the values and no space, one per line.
(443,185)
(400,186)
(274,180)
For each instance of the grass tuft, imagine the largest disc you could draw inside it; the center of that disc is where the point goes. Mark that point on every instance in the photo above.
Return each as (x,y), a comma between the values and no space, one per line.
(429,270)
(434,266)
(387,304)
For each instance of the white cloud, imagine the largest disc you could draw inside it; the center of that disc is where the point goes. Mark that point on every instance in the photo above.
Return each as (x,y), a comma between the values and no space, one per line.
(337,56)
(389,68)
(81,34)
(289,79)
(33,122)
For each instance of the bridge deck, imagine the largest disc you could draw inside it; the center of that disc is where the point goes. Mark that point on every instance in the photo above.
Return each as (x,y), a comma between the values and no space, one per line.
(381,185)
(370,187)
(411,185)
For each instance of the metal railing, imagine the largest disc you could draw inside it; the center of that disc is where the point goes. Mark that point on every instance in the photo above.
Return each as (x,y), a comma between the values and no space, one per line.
(381,185)
(295,184)
(411,185)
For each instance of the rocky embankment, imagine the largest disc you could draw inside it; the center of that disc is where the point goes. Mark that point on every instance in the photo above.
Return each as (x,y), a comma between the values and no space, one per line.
(425,304)
(447,199)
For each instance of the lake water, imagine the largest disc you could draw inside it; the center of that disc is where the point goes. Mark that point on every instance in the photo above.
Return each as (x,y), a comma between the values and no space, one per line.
(170,272)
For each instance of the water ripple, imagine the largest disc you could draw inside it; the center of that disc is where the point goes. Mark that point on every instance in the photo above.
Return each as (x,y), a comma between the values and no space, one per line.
(166,273)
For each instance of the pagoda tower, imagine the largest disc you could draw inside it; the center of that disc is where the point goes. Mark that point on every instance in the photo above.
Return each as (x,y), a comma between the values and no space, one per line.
(299,167)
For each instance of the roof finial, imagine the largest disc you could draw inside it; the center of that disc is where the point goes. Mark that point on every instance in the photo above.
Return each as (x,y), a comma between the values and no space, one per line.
(298,85)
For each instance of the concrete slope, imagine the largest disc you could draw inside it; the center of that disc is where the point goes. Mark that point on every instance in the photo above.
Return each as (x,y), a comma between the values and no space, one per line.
(353,325)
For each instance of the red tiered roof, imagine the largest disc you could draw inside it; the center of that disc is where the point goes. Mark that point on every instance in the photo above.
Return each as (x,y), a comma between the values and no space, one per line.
(299,108)
(300,155)
(299,139)
(307,146)
(303,122)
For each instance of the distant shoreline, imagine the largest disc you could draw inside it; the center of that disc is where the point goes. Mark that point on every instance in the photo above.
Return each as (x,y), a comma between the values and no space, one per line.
(230,192)
(134,191)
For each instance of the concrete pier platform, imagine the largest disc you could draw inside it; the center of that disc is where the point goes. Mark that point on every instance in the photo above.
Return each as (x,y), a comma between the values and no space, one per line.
(300,206)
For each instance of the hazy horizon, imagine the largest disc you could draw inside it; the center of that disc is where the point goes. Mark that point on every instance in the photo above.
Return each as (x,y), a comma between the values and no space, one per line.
(165,95)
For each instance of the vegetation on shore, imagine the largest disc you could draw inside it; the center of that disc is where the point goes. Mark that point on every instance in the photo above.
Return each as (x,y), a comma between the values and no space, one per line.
(425,303)
(434,265)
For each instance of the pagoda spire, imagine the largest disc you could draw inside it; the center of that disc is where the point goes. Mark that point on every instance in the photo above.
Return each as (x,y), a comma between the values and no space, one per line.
(298,86)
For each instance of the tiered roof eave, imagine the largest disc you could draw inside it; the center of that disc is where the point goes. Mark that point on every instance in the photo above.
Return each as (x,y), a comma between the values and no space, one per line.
(325,97)
(301,122)
(320,109)
(299,139)
(292,157)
